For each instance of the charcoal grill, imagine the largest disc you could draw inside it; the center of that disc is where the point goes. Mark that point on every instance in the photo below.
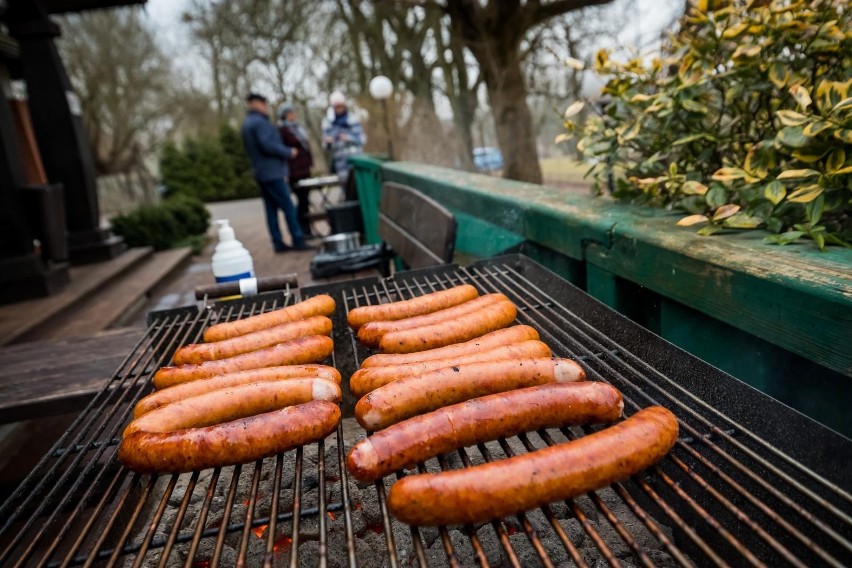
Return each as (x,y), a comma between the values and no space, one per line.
(750,482)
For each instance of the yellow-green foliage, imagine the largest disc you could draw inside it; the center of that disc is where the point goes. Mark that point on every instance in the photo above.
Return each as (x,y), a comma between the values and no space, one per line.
(745,121)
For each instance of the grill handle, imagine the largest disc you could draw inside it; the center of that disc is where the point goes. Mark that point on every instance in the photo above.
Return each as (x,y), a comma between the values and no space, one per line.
(247,286)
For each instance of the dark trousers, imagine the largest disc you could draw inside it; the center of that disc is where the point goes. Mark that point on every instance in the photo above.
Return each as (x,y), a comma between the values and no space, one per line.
(303,195)
(276,195)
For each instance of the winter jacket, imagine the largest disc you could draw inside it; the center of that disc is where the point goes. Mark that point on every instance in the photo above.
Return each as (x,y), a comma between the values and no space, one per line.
(341,150)
(263,145)
(300,166)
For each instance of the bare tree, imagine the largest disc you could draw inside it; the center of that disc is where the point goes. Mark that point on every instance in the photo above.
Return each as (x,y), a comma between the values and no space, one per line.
(494,31)
(125,90)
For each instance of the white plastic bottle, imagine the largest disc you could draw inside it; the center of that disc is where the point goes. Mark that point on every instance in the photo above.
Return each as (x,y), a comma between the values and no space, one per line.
(231,260)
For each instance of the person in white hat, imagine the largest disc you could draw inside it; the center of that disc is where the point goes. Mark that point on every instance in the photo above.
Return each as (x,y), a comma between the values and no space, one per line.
(343,136)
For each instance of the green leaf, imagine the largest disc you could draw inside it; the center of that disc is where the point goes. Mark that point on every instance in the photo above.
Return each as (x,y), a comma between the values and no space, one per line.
(716,197)
(693,220)
(846,170)
(791,175)
(728,174)
(805,194)
(802,96)
(693,188)
(816,127)
(791,118)
(843,134)
(818,238)
(692,138)
(835,160)
(743,221)
(844,104)
(725,211)
(779,74)
(709,230)
(775,192)
(783,238)
(793,136)
(815,209)
(693,106)
(810,155)
(631,131)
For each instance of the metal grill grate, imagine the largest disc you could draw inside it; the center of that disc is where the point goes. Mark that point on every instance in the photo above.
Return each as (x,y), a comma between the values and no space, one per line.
(749,483)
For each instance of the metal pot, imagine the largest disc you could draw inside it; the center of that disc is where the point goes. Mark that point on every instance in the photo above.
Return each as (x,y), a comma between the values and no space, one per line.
(341,242)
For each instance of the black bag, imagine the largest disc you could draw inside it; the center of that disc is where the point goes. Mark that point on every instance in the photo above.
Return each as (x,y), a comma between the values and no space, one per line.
(327,264)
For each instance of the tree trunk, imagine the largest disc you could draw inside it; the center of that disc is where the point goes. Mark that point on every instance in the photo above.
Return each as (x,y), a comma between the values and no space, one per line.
(507,95)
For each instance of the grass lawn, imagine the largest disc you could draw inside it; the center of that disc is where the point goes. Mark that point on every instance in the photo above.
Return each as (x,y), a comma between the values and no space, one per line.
(563,169)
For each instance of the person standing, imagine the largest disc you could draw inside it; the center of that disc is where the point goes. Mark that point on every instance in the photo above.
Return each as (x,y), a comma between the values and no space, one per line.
(294,135)
(269,164)
(343,136)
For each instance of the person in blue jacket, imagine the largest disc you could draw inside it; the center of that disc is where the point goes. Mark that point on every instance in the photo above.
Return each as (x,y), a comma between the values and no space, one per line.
(269,164)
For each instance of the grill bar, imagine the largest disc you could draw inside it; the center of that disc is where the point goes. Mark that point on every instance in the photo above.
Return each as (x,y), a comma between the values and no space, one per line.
(724,496)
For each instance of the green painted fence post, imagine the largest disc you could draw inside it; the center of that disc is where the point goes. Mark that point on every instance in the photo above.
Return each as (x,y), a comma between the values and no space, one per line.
(368,177)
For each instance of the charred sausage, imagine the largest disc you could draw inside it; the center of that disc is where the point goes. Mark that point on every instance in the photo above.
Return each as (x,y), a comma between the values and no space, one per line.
(322,305)
(480,420)
(370,334)
(500,488)
(312,349)
(200,352)
(425,304)
(367,380)
(411,396)
(239,441)
(507,336)
(475,324)
(232,403)
(201,386)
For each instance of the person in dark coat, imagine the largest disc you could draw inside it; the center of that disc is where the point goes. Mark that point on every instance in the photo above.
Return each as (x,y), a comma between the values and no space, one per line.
(269,164)
(294,135)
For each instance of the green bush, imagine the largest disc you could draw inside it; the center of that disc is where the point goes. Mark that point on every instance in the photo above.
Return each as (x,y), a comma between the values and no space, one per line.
(209,168)
(744,122)
(163,226)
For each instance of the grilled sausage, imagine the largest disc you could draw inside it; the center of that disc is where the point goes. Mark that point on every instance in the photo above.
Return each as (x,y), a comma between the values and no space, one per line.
(371,333)
(322,305)
(312,349)
(232,403)
(367,380)
(240,441)
(425,304)
(475,324)
(481,420)
(411,396)
(507,336)
(201,386)
(497,489)
(200,352)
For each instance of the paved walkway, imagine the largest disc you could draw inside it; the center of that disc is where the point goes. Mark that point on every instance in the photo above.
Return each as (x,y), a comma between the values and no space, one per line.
(249,222)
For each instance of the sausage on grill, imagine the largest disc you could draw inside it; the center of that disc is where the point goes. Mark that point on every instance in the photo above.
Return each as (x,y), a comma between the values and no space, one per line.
(201,386)
(200,352)
(500,488)
(322,305)
(371,333)
(475,324)
(232,403)
(425,304)
(507,336)
(367,380)
(240,441)
(311,349)
(411,396)
(481,420)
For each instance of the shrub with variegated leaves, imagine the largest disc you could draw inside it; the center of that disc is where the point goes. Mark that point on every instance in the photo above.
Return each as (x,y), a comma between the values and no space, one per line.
(744,121)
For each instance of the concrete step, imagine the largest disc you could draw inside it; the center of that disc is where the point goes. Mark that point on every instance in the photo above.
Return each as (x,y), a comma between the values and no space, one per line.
(117,304)
(24,319)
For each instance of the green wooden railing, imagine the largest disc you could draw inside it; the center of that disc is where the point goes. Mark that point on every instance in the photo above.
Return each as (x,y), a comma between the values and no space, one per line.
(779,318)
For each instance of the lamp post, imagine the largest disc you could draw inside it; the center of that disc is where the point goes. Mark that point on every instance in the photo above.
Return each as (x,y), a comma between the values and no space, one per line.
(381,89)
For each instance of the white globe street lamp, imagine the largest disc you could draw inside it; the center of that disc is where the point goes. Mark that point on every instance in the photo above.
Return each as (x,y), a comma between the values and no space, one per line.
(381,89)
